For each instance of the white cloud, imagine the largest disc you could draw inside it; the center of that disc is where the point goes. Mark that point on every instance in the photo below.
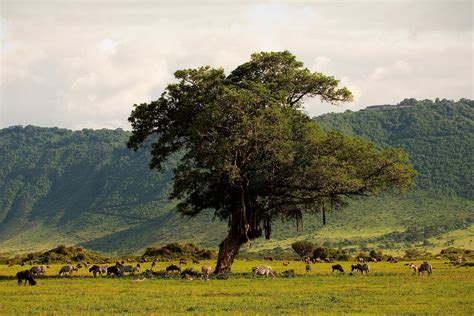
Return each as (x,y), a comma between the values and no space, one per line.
(83,64)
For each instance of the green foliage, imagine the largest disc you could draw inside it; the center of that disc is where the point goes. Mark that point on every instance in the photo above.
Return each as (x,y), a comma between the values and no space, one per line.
(252,155)
(177,251)
(62,186)
(303,248)
(439,138)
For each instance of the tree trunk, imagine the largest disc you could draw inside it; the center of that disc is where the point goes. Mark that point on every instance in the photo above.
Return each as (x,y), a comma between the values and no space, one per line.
(228,249)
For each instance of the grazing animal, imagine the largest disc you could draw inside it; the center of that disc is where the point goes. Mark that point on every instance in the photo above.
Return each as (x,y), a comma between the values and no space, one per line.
(115,270)
(362,267)
(425,267)
(182,261)
(308,268)
(173,267)
(98,270)
(286,263)
(38,270)
(337,267)
(67,269)
(130,269)
(266,258)
(206,270)
(195,261)
(153,264)
(27,276)
(263,270)
(78,265)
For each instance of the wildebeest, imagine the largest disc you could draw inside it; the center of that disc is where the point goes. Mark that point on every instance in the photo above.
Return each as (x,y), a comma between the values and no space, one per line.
(195,261)
(95,269)
(263,270)
(27,276)
(115,270)
(286,263)
(173,267)
(67,269)
(337,267)
(267,258)
(38,270)
(424,267)
(130,269)
(362,267)
(308,268)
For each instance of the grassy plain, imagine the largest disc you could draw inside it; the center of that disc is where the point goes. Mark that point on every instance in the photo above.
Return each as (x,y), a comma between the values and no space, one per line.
(388,289)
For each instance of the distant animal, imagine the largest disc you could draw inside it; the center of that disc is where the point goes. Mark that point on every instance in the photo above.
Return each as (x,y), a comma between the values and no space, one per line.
(360,259)
(78,265)
(27,276)
(337,267)
(38,270)
(206,270)
(267,258)
(114,270)
(173,267)
(182,261)
(392,260)
(67,270)
(373,259)
(362,267)
(328,260)
(129,260)
(95,269)
(317,260)
(308,268)
(263,270)
(130,269)
(286,263)
(195,261)
(186,276)
(153,264)
(425,267)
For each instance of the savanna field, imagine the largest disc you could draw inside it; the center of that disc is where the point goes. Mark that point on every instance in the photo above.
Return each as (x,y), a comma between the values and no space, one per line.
(388,289)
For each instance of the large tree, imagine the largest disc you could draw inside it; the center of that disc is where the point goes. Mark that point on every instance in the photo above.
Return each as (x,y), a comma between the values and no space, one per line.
(248,152)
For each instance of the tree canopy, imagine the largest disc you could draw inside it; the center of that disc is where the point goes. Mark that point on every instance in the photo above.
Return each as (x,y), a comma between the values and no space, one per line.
(250,153)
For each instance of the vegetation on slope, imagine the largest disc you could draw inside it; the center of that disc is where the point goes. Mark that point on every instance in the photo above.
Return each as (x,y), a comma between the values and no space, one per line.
(60,186)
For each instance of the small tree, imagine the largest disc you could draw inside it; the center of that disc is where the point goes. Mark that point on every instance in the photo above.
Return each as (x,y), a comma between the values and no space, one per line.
(303,248)
(321,253)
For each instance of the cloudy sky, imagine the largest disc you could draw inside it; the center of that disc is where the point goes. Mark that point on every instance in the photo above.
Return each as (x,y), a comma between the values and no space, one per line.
(83,64)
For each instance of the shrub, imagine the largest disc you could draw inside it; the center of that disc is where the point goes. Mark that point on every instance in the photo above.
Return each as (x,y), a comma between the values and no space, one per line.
(303,248)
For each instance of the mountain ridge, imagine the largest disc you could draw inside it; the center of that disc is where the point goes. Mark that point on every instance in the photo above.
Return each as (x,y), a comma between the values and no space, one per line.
(85,187)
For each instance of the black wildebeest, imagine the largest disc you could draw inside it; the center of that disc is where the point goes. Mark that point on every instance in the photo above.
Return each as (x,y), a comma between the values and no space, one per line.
(27,276)
(173,267)
(95,269)
(362,267)
(115,270)
(337,267)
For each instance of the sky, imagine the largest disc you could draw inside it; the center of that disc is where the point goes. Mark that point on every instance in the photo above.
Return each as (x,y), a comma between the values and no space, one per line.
(83,64)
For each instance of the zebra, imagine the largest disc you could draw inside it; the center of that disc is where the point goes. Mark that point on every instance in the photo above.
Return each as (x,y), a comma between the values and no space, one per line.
(130,269)
(67,269)
(263,270)
(38,270)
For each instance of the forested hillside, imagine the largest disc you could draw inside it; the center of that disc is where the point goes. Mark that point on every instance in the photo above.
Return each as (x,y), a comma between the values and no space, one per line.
(85,187)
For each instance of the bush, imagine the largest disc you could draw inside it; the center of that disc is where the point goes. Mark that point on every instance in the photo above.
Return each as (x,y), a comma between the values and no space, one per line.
(303,248)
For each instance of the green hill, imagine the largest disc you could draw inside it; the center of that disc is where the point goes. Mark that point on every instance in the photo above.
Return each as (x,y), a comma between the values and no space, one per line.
(84,187)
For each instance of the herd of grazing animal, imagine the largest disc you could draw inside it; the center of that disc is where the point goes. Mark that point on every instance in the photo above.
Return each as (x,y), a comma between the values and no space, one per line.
(119,269)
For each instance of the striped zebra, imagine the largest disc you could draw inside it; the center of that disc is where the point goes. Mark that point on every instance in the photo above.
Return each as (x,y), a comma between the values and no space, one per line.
(263,270)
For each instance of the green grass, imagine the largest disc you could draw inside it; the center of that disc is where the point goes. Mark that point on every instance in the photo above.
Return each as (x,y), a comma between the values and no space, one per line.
(389,289)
